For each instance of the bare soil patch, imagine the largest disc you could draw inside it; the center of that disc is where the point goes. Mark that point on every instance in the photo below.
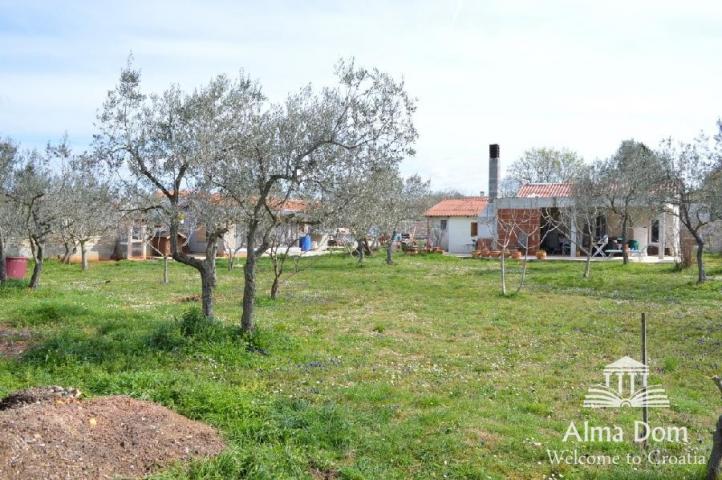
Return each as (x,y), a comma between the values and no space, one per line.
(13,342)
(190,299)
(324,474)
(59,436)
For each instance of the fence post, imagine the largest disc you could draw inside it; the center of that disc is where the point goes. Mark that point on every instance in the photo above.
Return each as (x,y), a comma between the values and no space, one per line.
(645,409)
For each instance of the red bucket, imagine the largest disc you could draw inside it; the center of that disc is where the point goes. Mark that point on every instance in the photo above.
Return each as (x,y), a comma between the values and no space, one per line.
(16,267)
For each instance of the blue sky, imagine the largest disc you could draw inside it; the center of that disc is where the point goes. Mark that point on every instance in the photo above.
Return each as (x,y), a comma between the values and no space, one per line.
(576,74)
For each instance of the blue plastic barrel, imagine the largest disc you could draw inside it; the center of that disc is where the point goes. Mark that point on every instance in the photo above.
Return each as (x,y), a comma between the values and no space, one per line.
(306,243)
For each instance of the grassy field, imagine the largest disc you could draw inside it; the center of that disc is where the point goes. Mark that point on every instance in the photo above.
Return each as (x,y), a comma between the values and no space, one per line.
(416,370)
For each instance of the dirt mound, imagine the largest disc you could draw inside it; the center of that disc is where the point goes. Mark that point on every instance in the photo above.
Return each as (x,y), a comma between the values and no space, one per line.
(105,437)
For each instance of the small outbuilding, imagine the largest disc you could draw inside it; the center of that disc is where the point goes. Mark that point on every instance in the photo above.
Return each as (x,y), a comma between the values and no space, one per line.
(455,224)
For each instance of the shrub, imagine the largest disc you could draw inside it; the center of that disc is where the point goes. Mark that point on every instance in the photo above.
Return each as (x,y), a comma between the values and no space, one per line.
(193,322)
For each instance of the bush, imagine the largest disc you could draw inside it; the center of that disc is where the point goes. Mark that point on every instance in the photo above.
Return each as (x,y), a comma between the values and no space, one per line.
(193,322)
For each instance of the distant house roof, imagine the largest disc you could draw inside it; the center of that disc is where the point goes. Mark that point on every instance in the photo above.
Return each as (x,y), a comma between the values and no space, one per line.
(289,205)
(458,207)
(545,190)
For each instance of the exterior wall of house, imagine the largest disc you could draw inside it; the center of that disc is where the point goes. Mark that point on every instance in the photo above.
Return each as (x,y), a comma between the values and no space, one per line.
(197,241)
(457,238)
(711,234)
(102,248)
(18,249)
(713,237)
(512,220)
(459,233)
(642,228)
(439,237)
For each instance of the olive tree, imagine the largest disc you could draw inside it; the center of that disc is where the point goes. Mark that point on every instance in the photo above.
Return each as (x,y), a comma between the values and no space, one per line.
(362,212)
(382,202)
(402,200)
(34,191)
(9,220)
(312,145)
(691,189)
(169,143)
(150,213)
(541,165)
(627,179)
(89,204)
(282,239)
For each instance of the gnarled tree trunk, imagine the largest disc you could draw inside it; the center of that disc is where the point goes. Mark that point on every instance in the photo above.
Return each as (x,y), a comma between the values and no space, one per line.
(84,255)
(249,285)
(701,275)
(38,257)
(206,268)
(390,249)
(69,250)
(208,276)
(208,283)
(274,288)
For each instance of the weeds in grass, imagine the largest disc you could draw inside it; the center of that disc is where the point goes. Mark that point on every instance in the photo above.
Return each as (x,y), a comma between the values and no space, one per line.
(166,337)
(50,312)
(193,323)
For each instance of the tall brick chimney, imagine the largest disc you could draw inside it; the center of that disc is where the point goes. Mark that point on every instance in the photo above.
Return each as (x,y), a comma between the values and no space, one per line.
(493,171)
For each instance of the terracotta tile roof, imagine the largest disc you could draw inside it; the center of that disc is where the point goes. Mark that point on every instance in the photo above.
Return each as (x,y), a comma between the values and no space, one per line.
(545,190)
(289,205)
(458,207)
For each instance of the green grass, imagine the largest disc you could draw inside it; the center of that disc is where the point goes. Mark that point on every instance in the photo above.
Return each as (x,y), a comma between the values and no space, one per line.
(416,370)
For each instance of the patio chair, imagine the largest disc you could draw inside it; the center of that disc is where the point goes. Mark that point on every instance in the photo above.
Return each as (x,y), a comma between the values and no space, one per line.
(599,246)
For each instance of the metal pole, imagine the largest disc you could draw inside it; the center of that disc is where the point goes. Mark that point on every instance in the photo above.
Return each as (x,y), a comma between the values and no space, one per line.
(645,409)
